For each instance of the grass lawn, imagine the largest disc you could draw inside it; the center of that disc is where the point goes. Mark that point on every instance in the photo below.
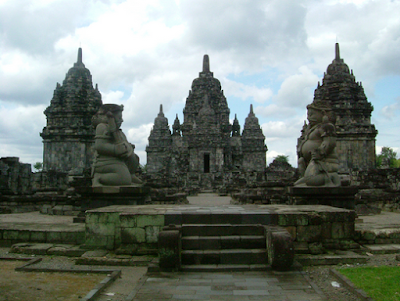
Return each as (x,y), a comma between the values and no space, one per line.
(380,283)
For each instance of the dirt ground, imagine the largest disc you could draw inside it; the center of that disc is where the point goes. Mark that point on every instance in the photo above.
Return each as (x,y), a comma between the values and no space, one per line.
(39,286)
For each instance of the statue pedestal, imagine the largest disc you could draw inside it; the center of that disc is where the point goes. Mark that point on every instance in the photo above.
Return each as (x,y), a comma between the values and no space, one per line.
(96,197)
(342,197)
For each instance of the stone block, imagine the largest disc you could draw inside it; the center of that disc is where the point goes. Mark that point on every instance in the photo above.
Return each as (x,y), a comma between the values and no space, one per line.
(152,233)
(342,230)
(169,249)
(280,248)
(95,241)
(314,218)
(149,220)
(133,235)
(38,236)
(92,218)
(292,231)
(53,236)
(128,220)
(24,235)
(311,233)
(101,229)
(109,218)
(367,235)
(44,209)
(68,237)
(300,247)
(349,229)
(57,210)
(102,217)
(66,251)
(292,219)
(326,231)
(68,208)
(80,238)
(10,235)
(71,212)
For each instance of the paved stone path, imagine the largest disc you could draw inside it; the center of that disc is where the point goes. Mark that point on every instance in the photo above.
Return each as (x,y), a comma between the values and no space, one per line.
(243,286)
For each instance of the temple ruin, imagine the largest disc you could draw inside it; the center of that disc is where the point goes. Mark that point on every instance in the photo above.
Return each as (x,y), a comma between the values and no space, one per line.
(355,133)
(68,136)
(206,149)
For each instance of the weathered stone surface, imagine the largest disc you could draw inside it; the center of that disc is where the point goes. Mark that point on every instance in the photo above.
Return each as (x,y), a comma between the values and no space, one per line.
(205,149)
(355,142)
(169,248)
(280,248)
(133,235)
(15,177)
(68,136)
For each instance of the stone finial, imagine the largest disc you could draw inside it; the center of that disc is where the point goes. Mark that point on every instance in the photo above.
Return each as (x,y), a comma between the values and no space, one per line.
(161,113)
(206,63)
(79,61)
(337,52)
(235,127)
(251,110)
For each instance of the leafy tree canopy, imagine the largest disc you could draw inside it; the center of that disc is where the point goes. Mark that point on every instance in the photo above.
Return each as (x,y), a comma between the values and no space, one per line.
(387,157)
(38,166)
(282,158)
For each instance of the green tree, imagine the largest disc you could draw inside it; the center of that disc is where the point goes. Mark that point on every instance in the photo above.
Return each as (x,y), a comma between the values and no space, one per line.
(282,158)
(387,157)
(38,166)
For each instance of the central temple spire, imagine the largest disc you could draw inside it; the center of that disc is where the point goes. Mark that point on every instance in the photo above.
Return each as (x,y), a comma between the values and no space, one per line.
(337,52)
(79,62)
(206,63)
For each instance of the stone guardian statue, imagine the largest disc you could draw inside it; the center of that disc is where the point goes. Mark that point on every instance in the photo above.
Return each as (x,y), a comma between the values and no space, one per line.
(115,162)
(316,149)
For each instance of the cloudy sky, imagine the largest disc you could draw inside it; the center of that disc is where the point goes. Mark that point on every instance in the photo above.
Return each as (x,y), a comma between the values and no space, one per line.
(269,53)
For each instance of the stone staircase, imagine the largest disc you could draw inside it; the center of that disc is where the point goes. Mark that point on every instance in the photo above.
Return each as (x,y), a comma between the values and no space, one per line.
(223,247)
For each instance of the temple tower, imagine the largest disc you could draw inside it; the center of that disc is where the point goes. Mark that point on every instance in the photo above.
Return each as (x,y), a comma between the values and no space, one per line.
(206,128)
(206,149)
(355,133)
(160,141)
(68,136)
(253,144)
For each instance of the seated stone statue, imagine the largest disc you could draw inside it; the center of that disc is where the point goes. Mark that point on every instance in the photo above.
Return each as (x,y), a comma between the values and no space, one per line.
(115,161)
(318,162)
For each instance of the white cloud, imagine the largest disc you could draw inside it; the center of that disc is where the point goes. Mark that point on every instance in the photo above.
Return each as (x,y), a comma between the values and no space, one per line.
(146,53)
(246,92)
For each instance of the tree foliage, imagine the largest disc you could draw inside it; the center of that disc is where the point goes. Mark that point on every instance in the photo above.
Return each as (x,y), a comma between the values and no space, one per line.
(387,157)
(282,158)
(38,166)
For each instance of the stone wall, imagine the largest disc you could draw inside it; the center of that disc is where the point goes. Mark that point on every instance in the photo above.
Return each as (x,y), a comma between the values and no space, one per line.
(379,188)
(313,228)
(15,177)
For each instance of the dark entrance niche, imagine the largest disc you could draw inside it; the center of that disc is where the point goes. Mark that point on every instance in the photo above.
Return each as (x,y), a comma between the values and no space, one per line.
(206,163)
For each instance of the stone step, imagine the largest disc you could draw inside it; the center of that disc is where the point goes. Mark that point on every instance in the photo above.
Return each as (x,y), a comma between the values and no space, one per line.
(225,267)
(343,257)
(220,217)
(382,248)
(221,229)
(223,242)
(231,256)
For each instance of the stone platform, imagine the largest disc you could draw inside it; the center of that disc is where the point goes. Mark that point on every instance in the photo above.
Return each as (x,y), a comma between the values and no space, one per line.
(118,226)
(342,197)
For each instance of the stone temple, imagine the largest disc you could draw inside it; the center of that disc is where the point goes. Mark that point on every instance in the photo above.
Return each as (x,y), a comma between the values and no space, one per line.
(206,150)
(355,134)
(68,136)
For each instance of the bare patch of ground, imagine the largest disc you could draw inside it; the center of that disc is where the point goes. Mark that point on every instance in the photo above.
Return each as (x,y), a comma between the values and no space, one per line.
(43,286)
